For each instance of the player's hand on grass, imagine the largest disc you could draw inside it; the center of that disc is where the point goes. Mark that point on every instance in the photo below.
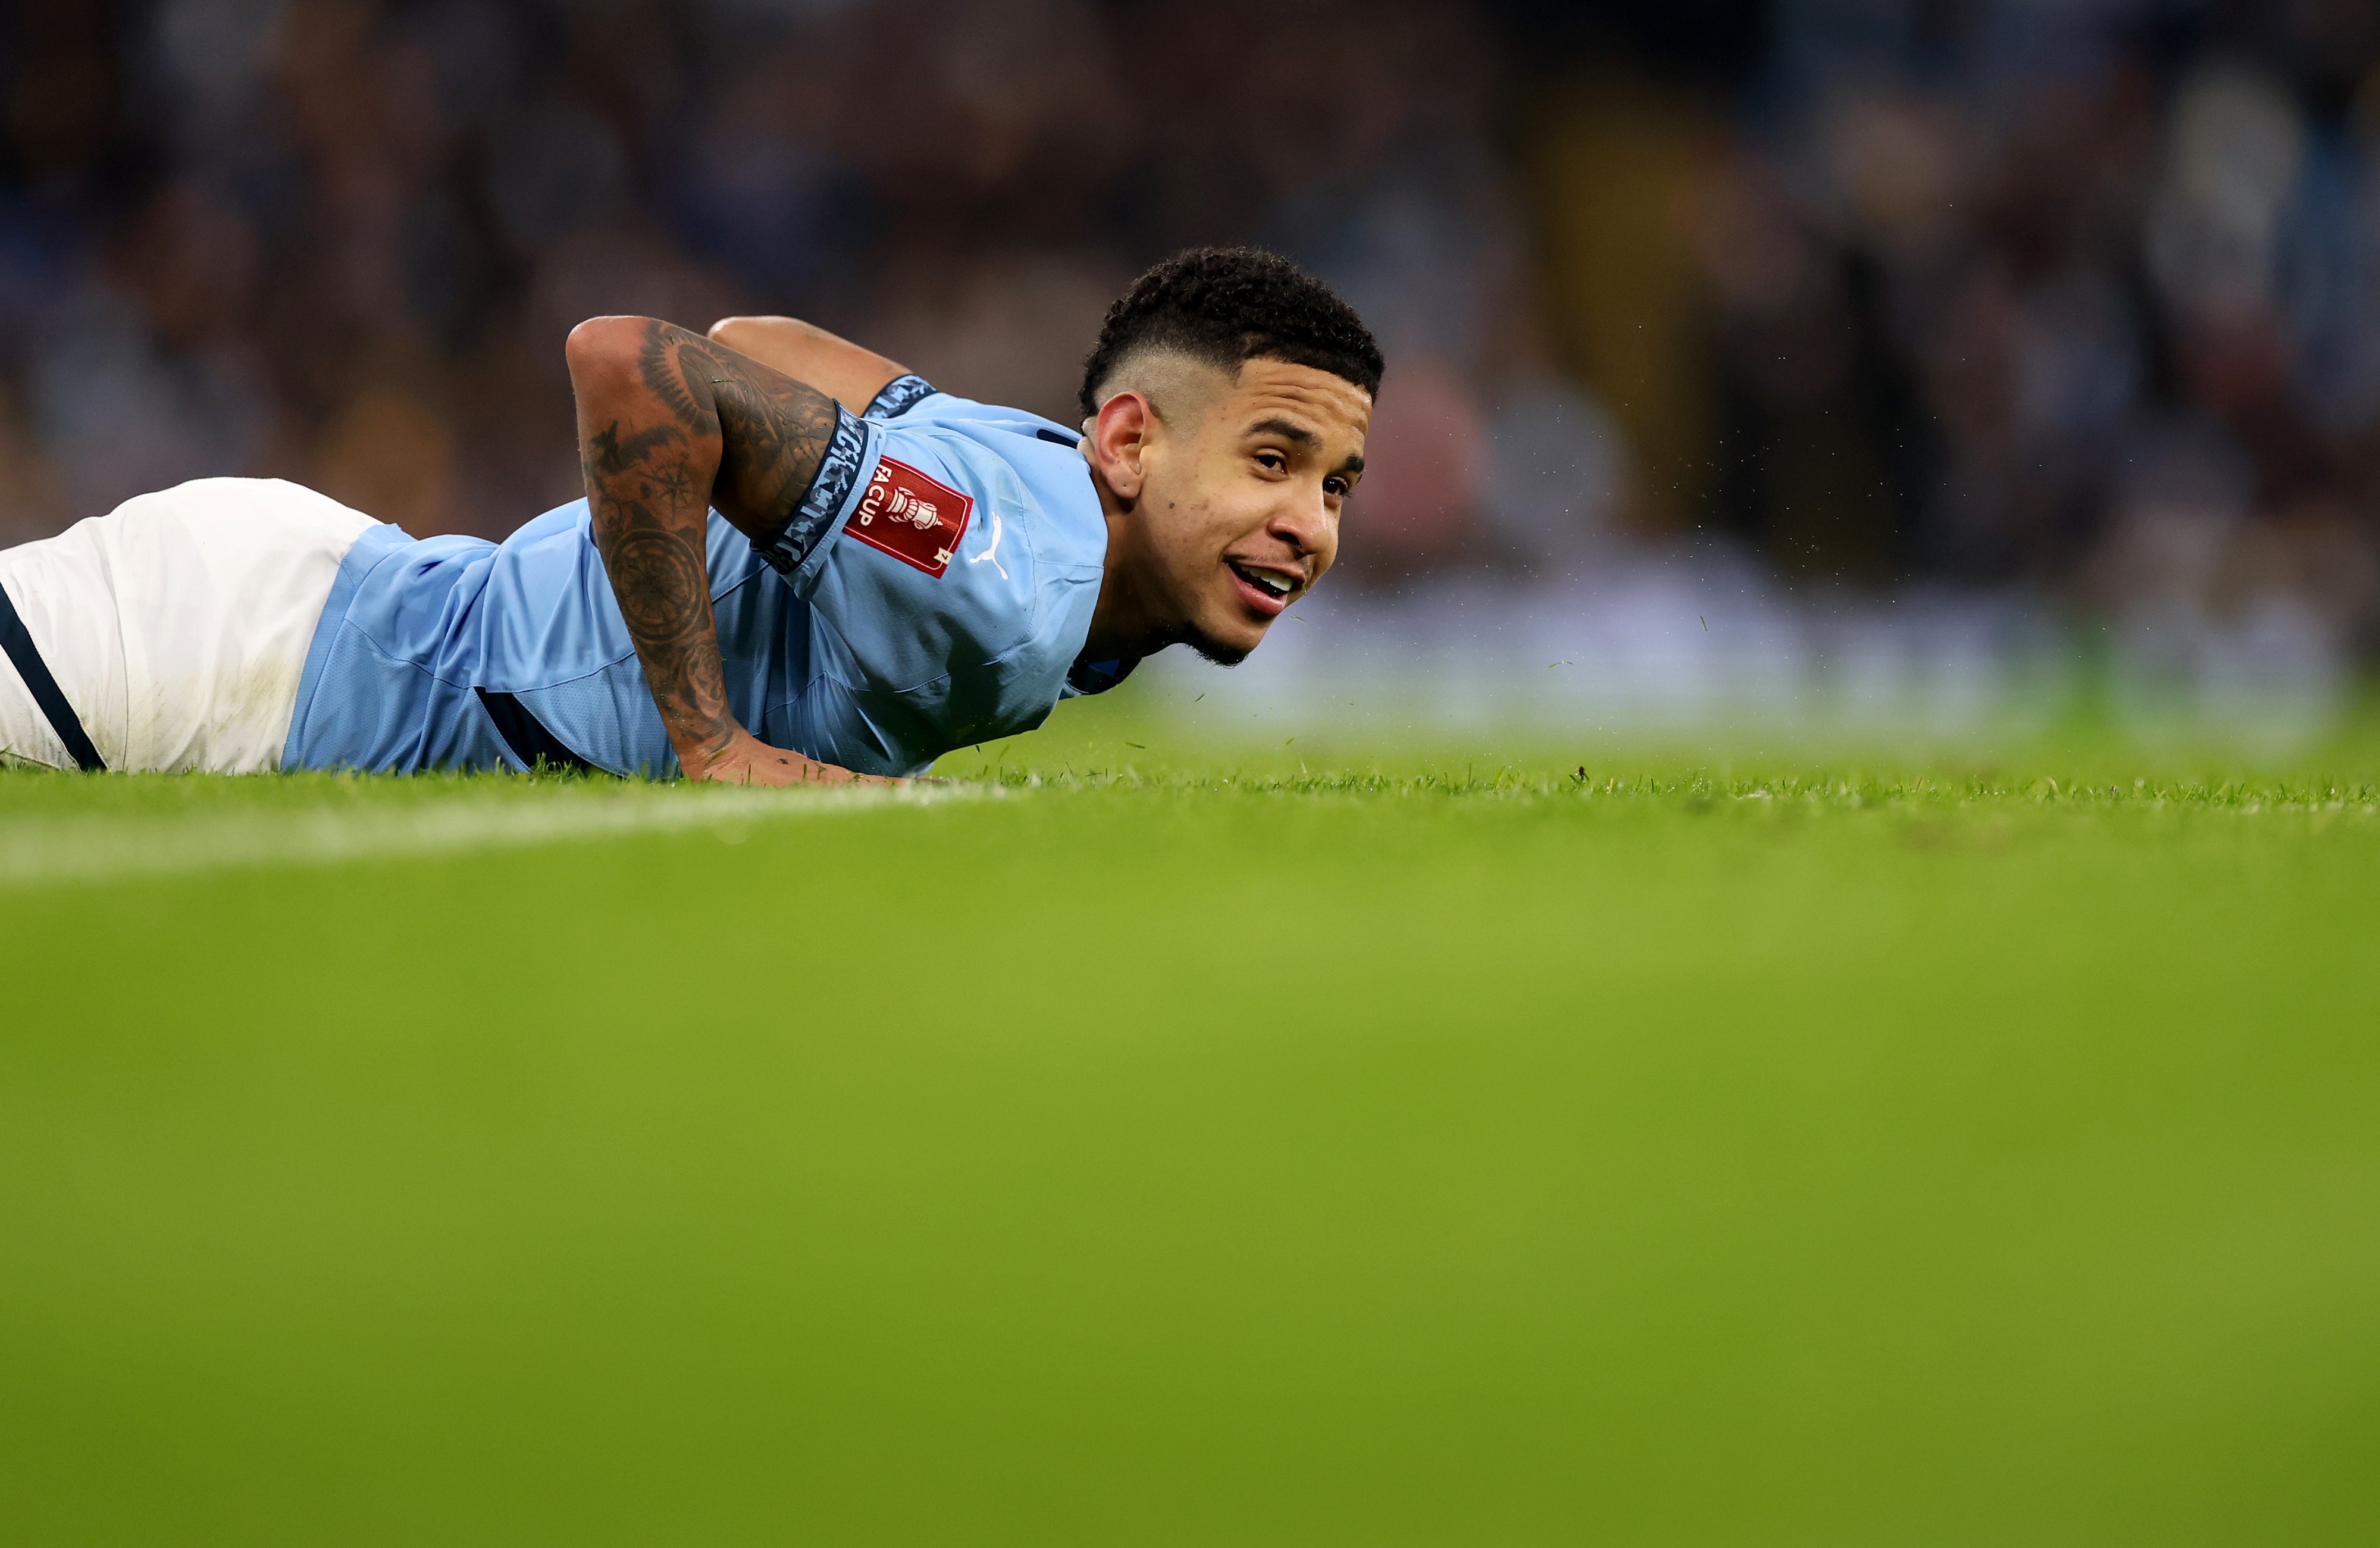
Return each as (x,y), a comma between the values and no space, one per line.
(747,760)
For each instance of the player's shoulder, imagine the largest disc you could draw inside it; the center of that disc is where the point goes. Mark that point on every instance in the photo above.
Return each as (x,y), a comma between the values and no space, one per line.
(1025,472)
(947,523)
(1041,450)
(912,399)
(948,534)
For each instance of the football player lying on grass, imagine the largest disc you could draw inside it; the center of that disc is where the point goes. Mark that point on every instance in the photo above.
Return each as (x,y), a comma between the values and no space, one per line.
(796,562)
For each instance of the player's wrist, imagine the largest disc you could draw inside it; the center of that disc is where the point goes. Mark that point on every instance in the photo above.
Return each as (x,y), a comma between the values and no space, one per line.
(704,756)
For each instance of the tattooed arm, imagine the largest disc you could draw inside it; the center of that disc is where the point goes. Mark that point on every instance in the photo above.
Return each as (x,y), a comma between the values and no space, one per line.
(851,375)
(670,426)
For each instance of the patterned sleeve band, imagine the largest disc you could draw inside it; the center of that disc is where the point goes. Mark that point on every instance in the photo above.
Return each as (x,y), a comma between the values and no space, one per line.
(838,471)
(899,396)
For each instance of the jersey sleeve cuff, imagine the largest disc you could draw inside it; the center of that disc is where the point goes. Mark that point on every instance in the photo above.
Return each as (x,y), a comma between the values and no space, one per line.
(898,396)
(838,475)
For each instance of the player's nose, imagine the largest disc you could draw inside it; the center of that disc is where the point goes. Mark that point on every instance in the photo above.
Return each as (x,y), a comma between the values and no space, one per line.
(1303,521)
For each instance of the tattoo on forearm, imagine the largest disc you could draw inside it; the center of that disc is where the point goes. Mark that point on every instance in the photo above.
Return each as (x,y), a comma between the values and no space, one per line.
(649,528)
(774,430)
(709,427)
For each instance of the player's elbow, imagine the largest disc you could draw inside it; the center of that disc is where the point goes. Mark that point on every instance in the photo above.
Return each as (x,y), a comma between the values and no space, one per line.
(746,336)
(605,344)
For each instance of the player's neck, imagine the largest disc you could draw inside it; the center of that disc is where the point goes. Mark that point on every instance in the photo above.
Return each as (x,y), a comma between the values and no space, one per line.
(1124,623)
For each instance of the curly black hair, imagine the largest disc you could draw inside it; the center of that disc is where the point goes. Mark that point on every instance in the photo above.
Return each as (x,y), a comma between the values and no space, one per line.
(1228,306)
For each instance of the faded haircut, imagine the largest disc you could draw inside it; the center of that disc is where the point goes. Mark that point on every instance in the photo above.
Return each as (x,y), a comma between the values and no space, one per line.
(1226,307)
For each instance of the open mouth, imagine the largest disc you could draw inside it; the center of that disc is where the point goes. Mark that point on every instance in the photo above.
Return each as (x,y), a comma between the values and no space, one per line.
(1269,589)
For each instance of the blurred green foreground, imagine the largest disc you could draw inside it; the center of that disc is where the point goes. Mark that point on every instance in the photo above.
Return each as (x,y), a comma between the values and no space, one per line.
(1188,1149)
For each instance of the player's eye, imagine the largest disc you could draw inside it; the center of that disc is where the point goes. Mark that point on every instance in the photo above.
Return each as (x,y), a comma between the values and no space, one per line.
(1334,485)
(1273,462)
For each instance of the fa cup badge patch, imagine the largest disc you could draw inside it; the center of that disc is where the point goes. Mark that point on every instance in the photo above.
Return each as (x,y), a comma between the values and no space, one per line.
(915,519)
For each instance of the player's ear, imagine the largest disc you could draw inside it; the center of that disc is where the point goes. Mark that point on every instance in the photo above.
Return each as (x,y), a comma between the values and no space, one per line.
(1118,444)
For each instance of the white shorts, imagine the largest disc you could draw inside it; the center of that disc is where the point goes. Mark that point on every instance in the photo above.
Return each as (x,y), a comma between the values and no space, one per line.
(176,626)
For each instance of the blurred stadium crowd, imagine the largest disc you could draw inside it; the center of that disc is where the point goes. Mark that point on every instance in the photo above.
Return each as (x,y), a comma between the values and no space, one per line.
(2077,298)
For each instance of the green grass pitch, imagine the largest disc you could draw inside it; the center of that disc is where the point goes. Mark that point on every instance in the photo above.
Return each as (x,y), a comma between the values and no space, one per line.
(1127,1144)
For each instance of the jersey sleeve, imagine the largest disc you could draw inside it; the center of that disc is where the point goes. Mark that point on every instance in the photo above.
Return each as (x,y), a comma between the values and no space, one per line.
(924,570)
(848,450)
(898,396)
(950,555)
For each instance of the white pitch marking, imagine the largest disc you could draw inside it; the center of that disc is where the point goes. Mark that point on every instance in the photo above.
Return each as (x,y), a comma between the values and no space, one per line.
(39,850)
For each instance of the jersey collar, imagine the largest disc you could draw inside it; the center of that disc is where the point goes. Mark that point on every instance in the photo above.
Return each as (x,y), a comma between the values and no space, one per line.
(1097,677)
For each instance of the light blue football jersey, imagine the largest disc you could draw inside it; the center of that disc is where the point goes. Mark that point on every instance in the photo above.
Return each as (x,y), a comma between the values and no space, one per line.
(934,589)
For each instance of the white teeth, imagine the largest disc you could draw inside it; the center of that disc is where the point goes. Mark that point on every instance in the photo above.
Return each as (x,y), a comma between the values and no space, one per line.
(1270,584)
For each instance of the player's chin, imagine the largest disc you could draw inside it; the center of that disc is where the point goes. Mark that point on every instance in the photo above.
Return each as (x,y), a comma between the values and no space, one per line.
(1226,644)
